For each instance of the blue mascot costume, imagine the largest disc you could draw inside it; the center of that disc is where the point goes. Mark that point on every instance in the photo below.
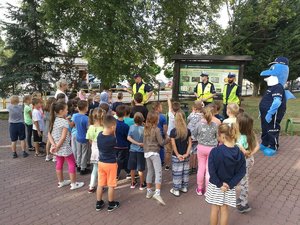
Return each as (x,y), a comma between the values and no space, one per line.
(272,106)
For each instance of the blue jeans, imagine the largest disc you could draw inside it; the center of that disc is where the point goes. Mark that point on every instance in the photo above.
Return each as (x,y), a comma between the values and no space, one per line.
(162,155)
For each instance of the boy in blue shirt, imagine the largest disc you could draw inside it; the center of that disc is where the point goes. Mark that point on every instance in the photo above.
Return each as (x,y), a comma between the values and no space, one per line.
(122,146)
(81,121)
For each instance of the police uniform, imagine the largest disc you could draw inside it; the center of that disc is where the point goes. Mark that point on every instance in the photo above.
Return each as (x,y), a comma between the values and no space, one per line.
(231,94)
(141,88)
(205,90)
(270,131)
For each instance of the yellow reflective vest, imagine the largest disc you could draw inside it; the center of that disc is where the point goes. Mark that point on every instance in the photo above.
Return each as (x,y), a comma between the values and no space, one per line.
(232,98)
(204,94)
(141,90)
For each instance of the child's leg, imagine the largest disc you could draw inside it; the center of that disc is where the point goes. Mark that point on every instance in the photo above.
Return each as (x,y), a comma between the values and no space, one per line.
(207,176)
(162,155)
(214,214)
(111,194)
(48,147)
(142,178)
(71,167)
(194,157)
(125,163)
(150,173)
(23,145)
(158,173)
(185,176)
(59,168)
(29,135)
(37,147)
(224,215)
(14,146)
(132,174)
(99,193)
(245,182)
(84,155)
(79,153)
(168,149)
(74,147)
(201,167)
(120,165)
(177,169)
(94,176)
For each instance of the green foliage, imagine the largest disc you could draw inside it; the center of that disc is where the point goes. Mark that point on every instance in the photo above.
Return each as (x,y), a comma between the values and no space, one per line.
(30,43)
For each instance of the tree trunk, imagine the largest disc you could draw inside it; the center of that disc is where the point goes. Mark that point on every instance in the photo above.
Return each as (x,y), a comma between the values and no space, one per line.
(255,90)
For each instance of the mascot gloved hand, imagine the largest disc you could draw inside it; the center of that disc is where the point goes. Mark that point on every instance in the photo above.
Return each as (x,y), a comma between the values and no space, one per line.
(272,106)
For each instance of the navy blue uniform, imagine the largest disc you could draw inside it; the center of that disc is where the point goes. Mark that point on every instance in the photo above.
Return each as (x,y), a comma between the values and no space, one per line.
(270,131)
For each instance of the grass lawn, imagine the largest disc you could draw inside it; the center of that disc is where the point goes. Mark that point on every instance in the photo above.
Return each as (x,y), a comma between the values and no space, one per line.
(250,104)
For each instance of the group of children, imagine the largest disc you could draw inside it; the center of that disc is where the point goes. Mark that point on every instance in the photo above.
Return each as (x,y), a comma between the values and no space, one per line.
(118,137)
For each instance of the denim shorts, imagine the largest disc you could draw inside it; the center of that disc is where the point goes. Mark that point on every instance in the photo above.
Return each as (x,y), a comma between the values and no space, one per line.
(17,131)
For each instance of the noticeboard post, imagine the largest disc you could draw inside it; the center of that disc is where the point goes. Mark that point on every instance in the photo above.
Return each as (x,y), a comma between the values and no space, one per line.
(187,70)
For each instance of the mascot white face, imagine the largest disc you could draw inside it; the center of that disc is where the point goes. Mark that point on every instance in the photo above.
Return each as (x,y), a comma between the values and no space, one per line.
(271,80)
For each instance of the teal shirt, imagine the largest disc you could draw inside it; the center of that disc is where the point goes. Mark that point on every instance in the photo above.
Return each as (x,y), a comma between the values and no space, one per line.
(243,141)
(129,121)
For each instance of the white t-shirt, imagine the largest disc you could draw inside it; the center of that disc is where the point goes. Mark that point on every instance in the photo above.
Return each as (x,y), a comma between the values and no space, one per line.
(58,92)
(171,124)
(230,120)
(58,126)
(37,116)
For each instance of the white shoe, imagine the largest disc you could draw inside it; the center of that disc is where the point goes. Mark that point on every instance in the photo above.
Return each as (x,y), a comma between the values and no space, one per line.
(64,183)
(149,194)
(175,192)
(76,185)
(48,158)
(54,159)
(184,190)
(159,199)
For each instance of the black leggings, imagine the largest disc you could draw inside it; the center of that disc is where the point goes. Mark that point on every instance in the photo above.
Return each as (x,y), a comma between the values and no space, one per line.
(29,135)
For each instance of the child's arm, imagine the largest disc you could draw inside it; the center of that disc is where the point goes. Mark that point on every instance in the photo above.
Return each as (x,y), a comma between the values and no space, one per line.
(129,138)
(62,138)
(254,150)
(180,157)
(239,175)
(159,138)
(36,123)
(212,169)
(52,142)
(169,103)
(188,151)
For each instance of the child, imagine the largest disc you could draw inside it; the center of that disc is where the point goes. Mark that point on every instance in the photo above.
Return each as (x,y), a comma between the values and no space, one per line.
(193,119)
(47,110)
(152,142)
(95,103)
(206,134)
(38,125)
(138,106)
(122,146)
(129,121)
(227,166)
(173,109)
(81,121)
(96,126)
(213,109)
(181,144)
(73,111)
(232,112)
(59,138)
(16,126)
(61,97)
(249,146)
(136,154)
(217,112)
(118,102)
(28,120)
(107,165)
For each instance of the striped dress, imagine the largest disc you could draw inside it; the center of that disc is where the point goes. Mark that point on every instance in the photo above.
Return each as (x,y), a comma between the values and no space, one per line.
(216,196)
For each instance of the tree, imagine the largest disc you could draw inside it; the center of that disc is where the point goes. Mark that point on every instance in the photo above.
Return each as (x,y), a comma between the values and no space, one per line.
(31,45)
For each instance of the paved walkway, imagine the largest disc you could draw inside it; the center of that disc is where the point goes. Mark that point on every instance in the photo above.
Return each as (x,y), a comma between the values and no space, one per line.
(29,195)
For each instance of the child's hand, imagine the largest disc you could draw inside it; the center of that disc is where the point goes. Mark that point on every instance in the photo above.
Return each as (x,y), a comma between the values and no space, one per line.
(53,149)
(224,189)
(180,157)
(185,156)
(141,145)
(39,133)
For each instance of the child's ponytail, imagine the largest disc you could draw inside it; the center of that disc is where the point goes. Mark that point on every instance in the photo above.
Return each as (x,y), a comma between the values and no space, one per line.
(52,116)
(91,117)
(231,131)
(207,114)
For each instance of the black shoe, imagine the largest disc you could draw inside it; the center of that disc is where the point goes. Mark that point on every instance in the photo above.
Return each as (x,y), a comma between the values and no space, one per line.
(112,206)
(25,154)
(194,170)
(99,205)
(190,171)
(244,209)
(128,176)
(78,169)
(167,168)
(32,149)
(85,171)
(14,155)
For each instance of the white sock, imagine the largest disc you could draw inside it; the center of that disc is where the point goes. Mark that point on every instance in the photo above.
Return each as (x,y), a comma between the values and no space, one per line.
(157,191)
(149,190)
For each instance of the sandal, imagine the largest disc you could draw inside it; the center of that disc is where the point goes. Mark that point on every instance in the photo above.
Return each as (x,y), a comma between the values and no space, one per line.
(31,149)
(39,154)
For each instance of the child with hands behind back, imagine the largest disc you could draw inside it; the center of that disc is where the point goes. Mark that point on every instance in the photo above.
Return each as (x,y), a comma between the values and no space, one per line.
(60,145)
(227,167)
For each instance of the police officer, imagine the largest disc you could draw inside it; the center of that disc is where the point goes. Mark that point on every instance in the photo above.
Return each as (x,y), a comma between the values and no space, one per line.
(205,90)
(231,93)
(141,87)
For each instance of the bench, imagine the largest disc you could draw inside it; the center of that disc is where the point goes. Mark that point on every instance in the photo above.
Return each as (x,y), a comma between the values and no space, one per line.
(290,123)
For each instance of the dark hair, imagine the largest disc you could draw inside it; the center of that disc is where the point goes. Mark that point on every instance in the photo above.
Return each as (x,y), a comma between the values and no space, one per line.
(104,106)
(26,98)
(82,104)
(56,107)
(120,110)
(61,96)
(96,114)
(49,103)
(176,106)
(120,95)
(127,110)
(138,118)
(109,121)
(138,97)
(72,104)
(36,101)
(219,105)
(245,122)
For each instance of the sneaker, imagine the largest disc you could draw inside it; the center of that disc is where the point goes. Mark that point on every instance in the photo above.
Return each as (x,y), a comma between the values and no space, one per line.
(32,149)
(149,194)
(199,191)
(159,199)
(40,154)
(76,185)
(78,169)
(128,176)
(175,192)
(238,202)
(244,209)
(99,205)
(85,171)
(133,185)
(25,154)
(48,158)
(184,190)
(167,168)
(143,186)
(14,155)
(92,190)
(113,206)
(54,158)
(63,183)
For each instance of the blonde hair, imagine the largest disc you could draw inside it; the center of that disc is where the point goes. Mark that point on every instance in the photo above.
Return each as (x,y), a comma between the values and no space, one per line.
(231,131)
(151,122)
(180,124)
(207,114)
(98,115)
(27,98)
(233,108)
(198,105)
(14,100)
